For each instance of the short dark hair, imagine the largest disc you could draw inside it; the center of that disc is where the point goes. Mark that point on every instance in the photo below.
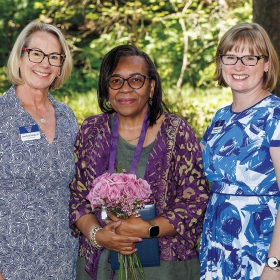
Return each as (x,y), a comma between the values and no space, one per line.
(108,66)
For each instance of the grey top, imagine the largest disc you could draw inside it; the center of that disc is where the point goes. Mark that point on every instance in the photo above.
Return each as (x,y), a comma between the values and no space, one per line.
(35,239)
(125,155)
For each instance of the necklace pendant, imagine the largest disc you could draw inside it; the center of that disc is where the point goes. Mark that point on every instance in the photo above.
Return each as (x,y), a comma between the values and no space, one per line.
(43,121)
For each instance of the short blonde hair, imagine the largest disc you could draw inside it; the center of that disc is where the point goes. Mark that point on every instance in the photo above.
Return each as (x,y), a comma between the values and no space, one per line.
(253,35)
(23,39)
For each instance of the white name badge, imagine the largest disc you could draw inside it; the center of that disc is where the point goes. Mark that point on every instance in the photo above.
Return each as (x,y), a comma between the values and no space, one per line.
(28,133)
(218,126)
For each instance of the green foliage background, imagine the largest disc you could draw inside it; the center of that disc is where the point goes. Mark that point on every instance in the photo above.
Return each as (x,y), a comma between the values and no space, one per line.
(180,36)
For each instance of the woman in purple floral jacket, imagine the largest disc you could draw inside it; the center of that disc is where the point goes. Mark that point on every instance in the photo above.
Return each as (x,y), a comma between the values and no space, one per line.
(170,161)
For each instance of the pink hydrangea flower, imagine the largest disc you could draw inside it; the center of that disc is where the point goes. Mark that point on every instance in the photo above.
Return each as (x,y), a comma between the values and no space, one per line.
(121,193)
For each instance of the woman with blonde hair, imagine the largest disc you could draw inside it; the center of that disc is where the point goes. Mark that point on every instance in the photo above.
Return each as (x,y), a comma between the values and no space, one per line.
(241,157)
(37,136)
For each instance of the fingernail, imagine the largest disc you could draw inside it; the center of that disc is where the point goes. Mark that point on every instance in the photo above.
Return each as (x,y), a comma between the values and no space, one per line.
(136,249)
(140,239)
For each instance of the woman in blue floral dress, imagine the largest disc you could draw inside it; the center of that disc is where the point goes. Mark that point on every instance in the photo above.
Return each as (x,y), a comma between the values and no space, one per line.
(241,158)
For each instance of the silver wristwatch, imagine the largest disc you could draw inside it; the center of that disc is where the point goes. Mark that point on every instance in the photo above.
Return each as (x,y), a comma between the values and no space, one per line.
(273,263)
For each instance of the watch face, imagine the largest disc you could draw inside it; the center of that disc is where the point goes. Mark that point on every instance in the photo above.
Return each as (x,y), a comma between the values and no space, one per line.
(154,231)
(272,262)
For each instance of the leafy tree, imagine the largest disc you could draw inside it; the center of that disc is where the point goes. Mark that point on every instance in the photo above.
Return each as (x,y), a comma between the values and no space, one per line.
(180,35)
(266,13)
(15,14)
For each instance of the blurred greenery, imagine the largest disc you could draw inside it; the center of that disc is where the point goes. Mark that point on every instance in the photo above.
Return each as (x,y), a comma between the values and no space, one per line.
(179,35)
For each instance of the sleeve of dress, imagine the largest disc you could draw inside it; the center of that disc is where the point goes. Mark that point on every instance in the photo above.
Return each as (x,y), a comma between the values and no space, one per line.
(273,129)
(187,186)
(78,205)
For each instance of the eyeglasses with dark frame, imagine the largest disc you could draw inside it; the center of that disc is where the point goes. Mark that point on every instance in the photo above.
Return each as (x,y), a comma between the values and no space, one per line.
(247,60)
(37,56)
(135,81)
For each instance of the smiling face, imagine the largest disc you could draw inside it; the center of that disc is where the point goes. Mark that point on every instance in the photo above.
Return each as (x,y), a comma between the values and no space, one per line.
(241,78)
(40,75)
(127,101)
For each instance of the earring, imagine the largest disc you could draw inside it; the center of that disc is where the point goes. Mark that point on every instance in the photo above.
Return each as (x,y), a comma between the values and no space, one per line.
(107,102)
(150,101)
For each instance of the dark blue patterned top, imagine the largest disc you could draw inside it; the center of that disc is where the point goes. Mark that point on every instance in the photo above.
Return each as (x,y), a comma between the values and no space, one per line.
(35,239)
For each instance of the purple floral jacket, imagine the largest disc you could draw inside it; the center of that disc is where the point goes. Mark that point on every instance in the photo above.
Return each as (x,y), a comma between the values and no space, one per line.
(174,171)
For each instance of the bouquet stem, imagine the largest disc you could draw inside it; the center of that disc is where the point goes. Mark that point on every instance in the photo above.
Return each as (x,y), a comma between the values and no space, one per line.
(129,266)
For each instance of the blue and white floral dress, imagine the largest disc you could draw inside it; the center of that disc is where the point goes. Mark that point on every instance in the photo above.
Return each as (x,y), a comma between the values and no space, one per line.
(244,195)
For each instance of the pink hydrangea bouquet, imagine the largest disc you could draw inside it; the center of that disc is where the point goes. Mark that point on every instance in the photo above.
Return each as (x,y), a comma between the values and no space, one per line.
(123,195)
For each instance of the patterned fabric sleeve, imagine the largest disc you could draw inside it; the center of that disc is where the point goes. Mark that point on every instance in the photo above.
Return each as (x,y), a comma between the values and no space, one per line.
(79,206)
(273,131)
(91,160)
(186,211)
(179,187)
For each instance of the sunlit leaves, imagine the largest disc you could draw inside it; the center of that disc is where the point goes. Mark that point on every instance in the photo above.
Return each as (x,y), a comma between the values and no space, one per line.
(169,31)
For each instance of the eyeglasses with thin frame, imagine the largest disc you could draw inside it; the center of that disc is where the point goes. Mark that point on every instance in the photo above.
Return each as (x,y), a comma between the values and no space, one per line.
(37,56)
(135,81)
(247,60)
